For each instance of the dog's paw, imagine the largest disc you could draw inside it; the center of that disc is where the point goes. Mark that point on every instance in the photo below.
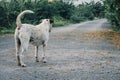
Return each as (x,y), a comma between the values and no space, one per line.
(44,60)
(23,65)
(19,64)
(37,60)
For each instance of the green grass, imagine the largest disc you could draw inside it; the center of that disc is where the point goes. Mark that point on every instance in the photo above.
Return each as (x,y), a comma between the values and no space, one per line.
(59,21)
(6,31)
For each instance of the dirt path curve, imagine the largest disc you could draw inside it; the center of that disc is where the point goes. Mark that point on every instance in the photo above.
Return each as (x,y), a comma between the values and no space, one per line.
(70,56)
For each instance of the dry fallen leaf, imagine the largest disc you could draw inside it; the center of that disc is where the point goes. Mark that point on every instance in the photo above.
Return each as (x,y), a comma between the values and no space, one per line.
(110,35)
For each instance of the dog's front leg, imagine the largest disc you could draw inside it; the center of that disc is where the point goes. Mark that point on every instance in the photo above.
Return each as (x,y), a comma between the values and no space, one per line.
(36,53)
(44,50)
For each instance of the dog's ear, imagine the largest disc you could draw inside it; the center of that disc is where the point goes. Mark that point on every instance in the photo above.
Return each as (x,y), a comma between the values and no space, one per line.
(51,21)
(41,20)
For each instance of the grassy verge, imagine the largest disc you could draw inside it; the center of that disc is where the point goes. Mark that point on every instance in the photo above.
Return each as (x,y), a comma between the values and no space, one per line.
(58,21)
(56,24)
(6,31)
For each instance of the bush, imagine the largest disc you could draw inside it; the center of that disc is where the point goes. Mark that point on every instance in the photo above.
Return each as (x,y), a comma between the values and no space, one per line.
(42,8)
(112,10)
(3,18)
(87,11)
(77,19)
(62,12)
(59,21)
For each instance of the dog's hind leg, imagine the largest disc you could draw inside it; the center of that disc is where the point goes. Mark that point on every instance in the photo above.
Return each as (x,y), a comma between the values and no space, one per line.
(20,56)
(18,45)
(24,47)
(36,53)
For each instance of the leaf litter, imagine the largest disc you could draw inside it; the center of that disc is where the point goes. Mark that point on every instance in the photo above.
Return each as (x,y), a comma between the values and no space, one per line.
(109,35)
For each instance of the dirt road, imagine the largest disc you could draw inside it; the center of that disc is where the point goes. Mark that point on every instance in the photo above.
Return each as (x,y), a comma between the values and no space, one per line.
(70,56)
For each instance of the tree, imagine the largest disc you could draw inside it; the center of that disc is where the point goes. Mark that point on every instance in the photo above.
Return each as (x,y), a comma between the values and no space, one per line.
(88,11)
(112,10)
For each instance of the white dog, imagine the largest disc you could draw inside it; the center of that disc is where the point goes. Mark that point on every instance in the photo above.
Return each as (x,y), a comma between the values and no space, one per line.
(27,33)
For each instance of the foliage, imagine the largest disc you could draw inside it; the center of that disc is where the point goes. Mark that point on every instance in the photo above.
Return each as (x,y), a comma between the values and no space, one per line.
(112,10)
(62,12)
(59,21)
(88,11)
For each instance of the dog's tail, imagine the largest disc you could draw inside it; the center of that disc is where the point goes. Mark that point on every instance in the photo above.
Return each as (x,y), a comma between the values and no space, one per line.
(18,20)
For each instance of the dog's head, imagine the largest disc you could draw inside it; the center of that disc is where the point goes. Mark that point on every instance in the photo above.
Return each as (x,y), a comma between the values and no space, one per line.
(50,21)
(47,21)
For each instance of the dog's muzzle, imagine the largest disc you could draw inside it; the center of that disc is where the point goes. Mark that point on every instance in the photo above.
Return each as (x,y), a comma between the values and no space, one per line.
(51,21)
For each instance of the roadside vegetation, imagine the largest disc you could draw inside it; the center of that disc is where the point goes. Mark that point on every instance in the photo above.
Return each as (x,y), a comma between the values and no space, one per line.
(112,13)
(63,13)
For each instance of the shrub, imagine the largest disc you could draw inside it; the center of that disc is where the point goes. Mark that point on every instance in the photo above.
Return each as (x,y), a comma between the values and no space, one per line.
(112,10)
(59,21)
(62,12)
